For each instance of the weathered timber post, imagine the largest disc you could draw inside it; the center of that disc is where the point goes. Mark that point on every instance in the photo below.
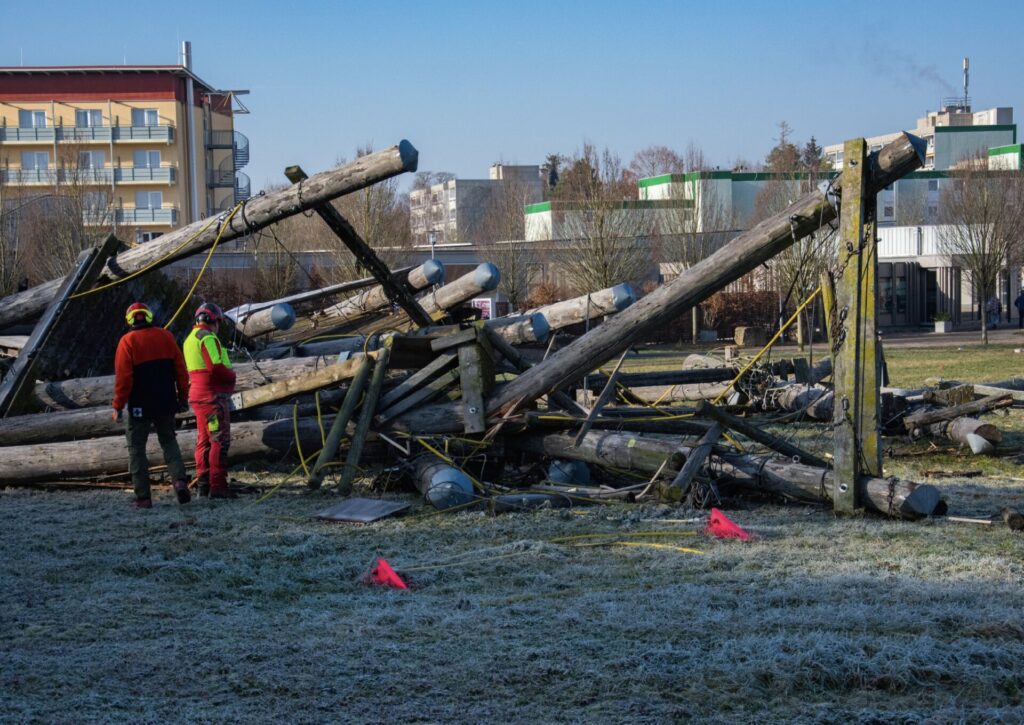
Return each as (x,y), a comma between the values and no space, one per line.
(856,413)
(476,378)
(743,254)
(337,431)
(355,449)
(363,253)
(259,212)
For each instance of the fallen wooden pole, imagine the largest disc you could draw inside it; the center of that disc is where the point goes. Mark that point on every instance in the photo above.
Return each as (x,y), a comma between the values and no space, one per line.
(259,212)
(976,407)
(321,378)
(697,457)
(587,307)
(376,298)
(742,255)
(889,496)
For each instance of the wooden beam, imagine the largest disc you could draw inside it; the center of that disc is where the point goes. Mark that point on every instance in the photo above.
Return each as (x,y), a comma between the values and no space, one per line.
(697,457)
(17,387)
(606,394)
(794,453)
(416,379)
(364,254)
(348,406)
(425,393)
(355,450)
(856,415)
(472,374)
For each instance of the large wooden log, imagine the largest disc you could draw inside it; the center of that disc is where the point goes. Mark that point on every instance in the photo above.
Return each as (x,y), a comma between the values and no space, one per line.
(85,392)
(259,212)
(887,496)
(761,436)
(103,456)
(304,383)
(976,407)
(587,307)
(239,313)
(376,298)
(743,254)
(482,279)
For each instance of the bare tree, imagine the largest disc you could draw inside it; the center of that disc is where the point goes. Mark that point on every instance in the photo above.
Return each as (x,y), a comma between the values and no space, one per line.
(604,229)
(655,161)
(503,232)
(982,214)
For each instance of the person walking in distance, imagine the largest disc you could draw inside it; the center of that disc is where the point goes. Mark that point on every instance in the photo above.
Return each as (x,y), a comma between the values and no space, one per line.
(151,380)
(1019,304)
(211,383)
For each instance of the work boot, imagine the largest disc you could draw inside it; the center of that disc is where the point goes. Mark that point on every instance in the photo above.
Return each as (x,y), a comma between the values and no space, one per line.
(203,485)
(222,493)
(181,491)
(143,503)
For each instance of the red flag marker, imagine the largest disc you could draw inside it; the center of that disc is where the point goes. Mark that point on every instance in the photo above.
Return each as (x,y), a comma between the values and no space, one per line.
(383,574)
(719,525)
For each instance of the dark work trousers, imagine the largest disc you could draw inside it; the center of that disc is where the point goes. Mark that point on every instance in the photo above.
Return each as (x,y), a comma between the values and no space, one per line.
(212,445)
(137,431)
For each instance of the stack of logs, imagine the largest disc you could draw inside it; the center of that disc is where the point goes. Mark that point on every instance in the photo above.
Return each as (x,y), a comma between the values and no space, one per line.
(512,410)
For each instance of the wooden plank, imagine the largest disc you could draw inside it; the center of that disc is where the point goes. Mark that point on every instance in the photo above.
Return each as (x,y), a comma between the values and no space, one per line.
(697,457)
(471,381)
(454,339)
(348,406)
(416,379)
(287,387)
(975,407)
(364,254)
(425,393)
(17,387)
(355,450)
(602,399)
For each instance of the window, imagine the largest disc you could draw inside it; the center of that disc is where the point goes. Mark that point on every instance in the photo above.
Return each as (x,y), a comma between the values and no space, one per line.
(146,159)
(149,199)
(88,119)
(141,237)
(145,117)
(32,119)
(887,211)
(90,160)
(35,160)
(933,184)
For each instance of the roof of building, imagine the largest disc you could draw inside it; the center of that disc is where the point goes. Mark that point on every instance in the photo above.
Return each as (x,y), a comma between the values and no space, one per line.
(69,70)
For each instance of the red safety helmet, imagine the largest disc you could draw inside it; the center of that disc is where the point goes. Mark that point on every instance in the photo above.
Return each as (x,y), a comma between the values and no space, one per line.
(209,313)
(138,312)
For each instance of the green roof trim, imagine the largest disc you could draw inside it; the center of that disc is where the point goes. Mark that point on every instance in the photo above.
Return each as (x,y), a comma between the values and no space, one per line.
(978,129)
(679,178)
(1011,149)
(537,208)
(659,180)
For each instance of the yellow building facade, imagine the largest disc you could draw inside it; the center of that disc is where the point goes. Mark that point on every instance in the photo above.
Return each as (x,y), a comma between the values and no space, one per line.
(143,149)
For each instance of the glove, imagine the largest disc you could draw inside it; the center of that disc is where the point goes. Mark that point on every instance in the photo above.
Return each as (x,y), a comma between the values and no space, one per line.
(182,406)
(116,416)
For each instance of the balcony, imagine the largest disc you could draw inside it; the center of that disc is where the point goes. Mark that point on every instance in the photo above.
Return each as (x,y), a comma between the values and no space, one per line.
(87,134)
(26,135)
(123,175)
(127,134)
(142,217)
(146,175)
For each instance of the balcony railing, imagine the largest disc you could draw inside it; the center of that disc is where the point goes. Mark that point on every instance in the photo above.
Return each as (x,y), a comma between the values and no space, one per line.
(29,176)
(85,134)
(144,133)
(220,178)
(123,175)
(146,175)
(146,216)
(26,135)
(237,142)
(243,189)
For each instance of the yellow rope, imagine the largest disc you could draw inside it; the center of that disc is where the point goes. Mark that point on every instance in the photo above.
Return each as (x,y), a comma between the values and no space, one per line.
(148,267)
(206,262)
(767,346)
(319,419)
(449,461)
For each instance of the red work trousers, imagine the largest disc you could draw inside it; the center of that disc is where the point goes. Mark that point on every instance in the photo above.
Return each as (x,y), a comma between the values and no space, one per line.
(213,424)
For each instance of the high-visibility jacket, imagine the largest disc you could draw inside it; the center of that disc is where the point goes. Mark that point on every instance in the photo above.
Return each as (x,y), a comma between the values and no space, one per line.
(149,373)
(209,367)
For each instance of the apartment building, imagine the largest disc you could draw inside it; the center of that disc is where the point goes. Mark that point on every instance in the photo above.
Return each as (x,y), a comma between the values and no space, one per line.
(144,149)
(453,211)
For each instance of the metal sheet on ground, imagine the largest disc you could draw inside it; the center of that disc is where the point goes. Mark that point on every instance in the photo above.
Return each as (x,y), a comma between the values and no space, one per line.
(361,510)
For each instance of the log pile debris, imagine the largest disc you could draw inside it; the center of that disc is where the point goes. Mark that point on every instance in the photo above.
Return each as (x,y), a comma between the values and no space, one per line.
(392,380)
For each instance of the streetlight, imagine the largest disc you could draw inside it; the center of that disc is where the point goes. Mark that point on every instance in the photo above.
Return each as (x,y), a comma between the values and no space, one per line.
(432,238)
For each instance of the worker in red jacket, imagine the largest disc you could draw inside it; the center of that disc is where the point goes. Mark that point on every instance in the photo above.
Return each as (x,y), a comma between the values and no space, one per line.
(212,381)
(151,380)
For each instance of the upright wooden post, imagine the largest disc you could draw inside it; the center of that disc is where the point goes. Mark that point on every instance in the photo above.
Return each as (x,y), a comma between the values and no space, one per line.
(856,413)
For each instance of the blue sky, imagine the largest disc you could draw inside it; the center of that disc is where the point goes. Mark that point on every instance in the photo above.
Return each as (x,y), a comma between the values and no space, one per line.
(474,83)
